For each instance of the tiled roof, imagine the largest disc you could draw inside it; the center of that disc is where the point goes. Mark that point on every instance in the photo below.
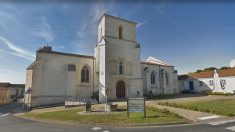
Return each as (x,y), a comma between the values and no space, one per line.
(210,74)
(183,77)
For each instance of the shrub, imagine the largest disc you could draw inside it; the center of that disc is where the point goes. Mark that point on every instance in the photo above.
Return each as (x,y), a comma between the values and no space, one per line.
(218,93)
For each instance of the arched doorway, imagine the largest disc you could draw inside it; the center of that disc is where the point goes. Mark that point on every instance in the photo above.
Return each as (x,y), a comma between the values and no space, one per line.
(120,90)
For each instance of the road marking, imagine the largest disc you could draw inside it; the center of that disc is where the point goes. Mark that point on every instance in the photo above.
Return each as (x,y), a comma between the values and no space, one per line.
(96,128)
(106,131)
(4,114)
(220,122)
(208,117)
(231,128)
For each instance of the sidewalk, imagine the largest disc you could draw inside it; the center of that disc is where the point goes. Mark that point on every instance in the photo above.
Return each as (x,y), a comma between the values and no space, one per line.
(194,116)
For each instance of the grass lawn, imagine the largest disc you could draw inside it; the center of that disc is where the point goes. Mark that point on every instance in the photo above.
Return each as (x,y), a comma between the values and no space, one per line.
(222,107)
(153,116)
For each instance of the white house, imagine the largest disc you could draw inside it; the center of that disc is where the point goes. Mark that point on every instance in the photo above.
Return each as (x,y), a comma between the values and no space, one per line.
(216,81)
(115,71)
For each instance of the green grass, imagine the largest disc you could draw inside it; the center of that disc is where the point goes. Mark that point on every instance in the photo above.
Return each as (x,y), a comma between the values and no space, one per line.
(222,107)
(153,116)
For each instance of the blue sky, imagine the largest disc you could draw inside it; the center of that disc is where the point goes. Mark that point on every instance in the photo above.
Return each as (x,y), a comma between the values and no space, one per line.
(190,36)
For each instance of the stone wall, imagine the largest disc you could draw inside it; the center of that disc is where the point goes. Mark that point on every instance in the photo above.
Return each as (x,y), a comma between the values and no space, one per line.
(53,83)
(161,85)
(115,49)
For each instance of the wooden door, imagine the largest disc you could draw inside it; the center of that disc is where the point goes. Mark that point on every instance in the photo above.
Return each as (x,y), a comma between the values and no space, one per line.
(120,90)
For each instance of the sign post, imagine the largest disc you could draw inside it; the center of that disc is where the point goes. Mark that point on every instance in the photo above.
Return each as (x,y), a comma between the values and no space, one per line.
(28,92)
(136,105)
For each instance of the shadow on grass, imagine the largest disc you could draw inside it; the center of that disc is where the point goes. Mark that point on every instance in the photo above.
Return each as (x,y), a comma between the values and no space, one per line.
(121,110)
(175,96)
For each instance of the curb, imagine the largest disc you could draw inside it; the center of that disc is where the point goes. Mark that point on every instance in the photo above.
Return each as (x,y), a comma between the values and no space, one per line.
(104,125)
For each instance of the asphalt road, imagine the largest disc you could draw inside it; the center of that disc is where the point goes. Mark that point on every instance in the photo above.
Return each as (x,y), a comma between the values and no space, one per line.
(9,123)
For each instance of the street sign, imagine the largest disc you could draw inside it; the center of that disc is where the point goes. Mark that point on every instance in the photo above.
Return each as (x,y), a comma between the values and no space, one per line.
(28,91)
(136,105)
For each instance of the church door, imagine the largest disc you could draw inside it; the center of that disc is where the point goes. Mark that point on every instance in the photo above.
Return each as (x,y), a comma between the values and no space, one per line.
(120,90)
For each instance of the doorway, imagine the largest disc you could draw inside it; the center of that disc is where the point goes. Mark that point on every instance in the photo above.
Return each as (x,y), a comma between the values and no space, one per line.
(191,87)
(120,90)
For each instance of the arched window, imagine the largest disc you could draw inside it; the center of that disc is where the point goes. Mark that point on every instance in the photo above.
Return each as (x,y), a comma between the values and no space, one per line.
(120,32)
(85,74)
(152,78)
(120,68)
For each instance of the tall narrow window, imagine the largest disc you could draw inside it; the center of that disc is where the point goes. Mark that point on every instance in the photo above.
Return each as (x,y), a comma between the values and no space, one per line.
(120,32)
(167,78)
(152,78)
(85,74)
(120,68)
(101,33)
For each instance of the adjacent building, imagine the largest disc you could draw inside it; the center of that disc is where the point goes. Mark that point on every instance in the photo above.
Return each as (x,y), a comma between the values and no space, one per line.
(216,81)
(10,92)
(114,72)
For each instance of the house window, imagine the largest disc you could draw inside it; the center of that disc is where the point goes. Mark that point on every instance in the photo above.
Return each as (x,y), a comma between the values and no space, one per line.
(211,82)
(152,78)
(120,68)
(85,74)
(223,82)
(120,32)
(201,83)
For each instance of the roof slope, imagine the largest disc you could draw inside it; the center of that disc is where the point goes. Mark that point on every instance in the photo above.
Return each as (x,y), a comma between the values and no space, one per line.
(65,54)
(152,60)
(210,74)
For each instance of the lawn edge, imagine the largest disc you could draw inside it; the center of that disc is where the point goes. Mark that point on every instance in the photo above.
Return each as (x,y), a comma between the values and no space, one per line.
(182,106)
(102,124)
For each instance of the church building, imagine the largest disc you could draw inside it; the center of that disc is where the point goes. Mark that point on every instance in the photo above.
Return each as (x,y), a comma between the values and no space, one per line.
(115,72)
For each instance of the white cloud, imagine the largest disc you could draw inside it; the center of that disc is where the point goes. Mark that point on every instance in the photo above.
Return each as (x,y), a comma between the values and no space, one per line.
(16,21)
(16,50)
(44,30)
(86,35)
(232,63)
(89,25)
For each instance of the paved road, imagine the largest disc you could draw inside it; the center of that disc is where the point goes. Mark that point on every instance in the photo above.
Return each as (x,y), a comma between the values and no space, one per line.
(9,123)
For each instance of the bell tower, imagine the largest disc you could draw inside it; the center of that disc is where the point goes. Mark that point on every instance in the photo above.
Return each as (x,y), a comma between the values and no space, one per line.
(118,59)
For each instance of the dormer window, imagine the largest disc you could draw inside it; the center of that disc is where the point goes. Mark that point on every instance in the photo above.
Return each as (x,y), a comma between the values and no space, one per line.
(120,32)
